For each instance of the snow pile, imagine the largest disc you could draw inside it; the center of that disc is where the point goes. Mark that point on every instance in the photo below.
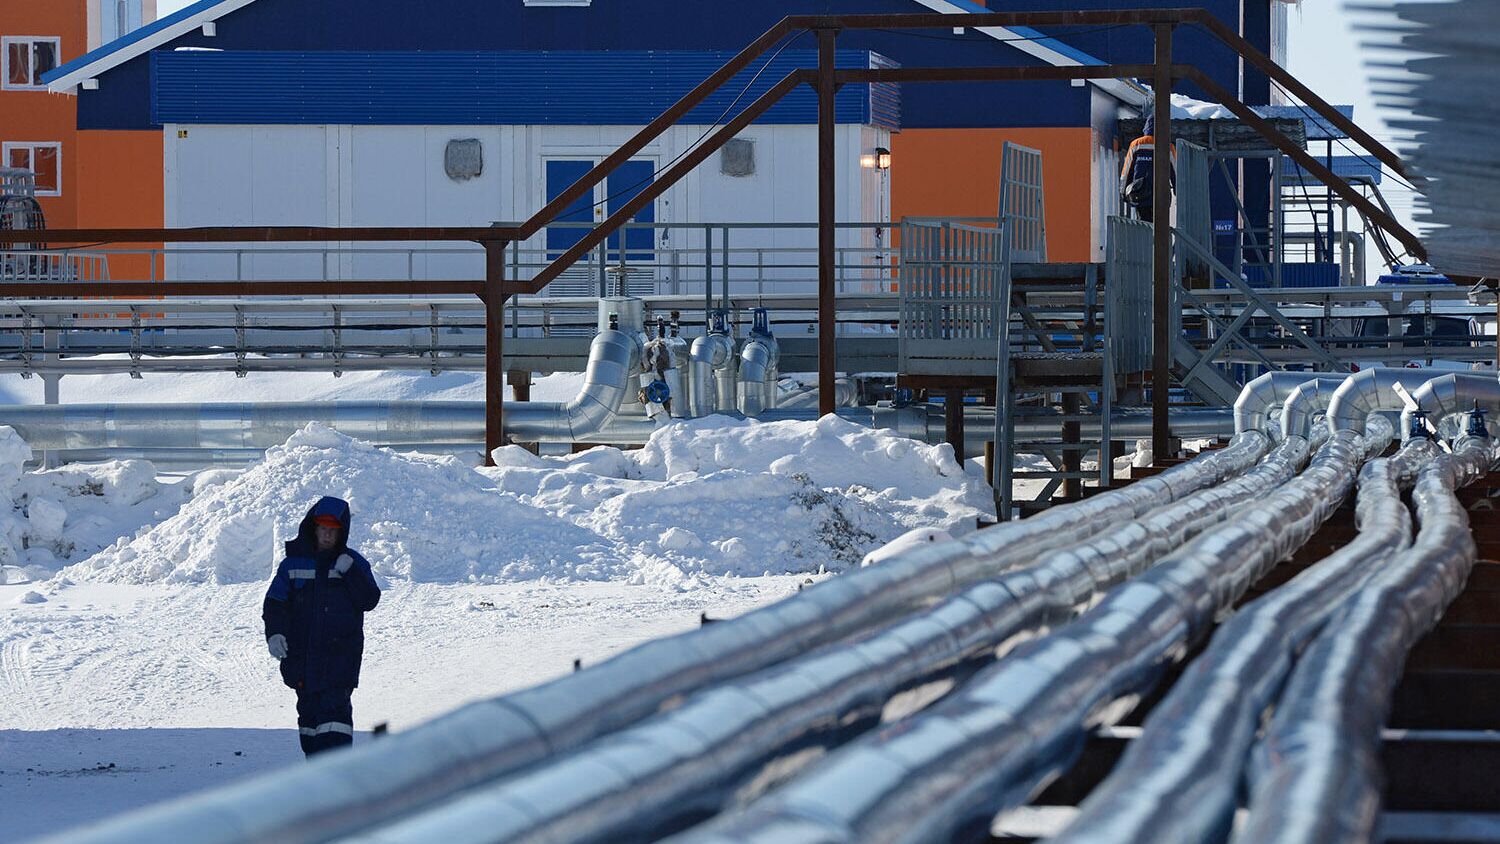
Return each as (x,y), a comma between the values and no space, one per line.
(719,496)
(68,513)
(416,517)
(707,497)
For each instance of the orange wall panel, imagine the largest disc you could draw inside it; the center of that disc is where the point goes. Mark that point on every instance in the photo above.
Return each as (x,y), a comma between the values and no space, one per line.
(120,179)
(956,173)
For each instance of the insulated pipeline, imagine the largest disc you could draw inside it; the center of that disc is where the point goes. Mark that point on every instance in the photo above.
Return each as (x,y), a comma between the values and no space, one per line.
(942,774)
(691,761)
(1253,407)
(1448,396)
(1373,390)
(354,789)
(1179,780)
(1315,776)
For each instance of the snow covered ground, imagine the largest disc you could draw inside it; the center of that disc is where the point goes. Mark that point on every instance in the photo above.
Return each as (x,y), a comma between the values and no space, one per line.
(132,665)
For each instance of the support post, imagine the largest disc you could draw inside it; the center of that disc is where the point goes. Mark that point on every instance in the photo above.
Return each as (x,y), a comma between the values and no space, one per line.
(1161,266)
(494,348)
(827,197)
(953,422)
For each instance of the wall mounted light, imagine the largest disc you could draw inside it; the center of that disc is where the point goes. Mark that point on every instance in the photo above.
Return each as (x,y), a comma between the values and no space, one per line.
(880,159)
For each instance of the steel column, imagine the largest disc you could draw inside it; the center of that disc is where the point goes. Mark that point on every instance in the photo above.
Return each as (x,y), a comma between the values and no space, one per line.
(494,349)
(827,218)
(1161,218)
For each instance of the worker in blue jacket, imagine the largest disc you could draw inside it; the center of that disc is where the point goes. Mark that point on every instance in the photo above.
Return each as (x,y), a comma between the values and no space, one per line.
(314,614)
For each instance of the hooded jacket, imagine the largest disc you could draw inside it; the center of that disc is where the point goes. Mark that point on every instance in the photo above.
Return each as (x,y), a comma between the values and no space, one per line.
(319,611)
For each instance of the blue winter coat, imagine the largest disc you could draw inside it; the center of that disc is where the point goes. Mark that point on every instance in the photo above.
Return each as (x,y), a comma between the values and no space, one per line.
(320,612)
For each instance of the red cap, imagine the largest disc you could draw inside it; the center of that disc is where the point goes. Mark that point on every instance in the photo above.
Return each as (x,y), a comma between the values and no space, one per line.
(328,521)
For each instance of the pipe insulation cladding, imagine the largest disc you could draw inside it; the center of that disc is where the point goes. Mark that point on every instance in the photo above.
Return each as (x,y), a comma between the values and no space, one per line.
(352,790)
(666,772)
(942,774)
(1315,776)
(1448,396)
(1180,779)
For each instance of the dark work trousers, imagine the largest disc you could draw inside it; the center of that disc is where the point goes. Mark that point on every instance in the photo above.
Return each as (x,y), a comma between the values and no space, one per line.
(325,720)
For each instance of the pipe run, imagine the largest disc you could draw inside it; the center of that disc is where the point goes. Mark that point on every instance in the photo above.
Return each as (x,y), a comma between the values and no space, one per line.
(1306,403)
(1180,779)
(614,357)
(942,774)
(1315,776)
(250,428)
(1447,396)
(344,792)
(1253,407)
(1374,390)
(713,374)
(757,391)
(694,760)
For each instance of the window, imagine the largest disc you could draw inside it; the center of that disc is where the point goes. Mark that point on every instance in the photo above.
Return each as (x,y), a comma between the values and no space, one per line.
(26,59)
(43,159)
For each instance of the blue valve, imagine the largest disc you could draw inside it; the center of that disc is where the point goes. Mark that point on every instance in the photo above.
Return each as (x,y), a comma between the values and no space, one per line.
(761,322)
(1476,423)
(1419,425)
(657,392)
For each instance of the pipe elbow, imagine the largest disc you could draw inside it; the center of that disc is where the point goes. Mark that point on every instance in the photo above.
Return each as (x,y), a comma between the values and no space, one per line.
(1451,395)
(757,361)
(1255,401)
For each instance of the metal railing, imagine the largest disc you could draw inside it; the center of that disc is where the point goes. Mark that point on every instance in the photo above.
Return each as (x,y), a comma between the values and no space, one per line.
(1023,201)
(954,288)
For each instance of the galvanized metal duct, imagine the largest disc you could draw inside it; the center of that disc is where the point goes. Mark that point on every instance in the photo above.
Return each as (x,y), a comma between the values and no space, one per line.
(1305,404)
(261,425)
(614,356)
(713,374)
(1315,777)
(1373,390)
(1451,395)
(757,384)
(354,789)
(1180,779)
(944,773)
(1253,407)
(666,772)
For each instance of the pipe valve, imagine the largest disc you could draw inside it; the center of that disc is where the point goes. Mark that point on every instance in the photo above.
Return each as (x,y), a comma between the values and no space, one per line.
(1476,422)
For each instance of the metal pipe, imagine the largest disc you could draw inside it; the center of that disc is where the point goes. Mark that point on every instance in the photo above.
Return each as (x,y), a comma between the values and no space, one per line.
(491,738)
(712,357)
(1305,403)
(1315,775)
(942,774)
(1179,780)
(846,394)
(614,356)
(757,363)
(1450,395)
(1257,398)
(1372,390)
(823,699)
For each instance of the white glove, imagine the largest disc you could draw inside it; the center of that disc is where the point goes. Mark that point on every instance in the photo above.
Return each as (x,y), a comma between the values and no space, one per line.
(277,646)
(342,564)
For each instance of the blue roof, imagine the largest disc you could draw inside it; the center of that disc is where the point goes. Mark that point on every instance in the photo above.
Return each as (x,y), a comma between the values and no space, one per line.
(145,33)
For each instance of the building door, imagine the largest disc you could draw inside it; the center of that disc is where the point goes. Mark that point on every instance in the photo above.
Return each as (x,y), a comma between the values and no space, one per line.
(601,271)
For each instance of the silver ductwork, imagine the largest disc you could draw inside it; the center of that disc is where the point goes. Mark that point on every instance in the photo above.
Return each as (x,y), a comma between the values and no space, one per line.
(493,738)
(1373,390)
(614,357)
(712,363)
(1315,774)
(1306,402)
(1451,395)
(1180,780)
(845,394)
(244,430)
(989,745)
(819,700)
(758,358)
(757,381)
(1252,408)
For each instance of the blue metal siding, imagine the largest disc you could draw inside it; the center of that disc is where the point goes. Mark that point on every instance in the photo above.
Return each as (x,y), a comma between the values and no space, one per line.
(123,99)
(498,88)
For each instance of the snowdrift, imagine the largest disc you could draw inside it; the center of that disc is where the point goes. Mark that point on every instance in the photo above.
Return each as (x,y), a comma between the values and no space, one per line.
(705,497)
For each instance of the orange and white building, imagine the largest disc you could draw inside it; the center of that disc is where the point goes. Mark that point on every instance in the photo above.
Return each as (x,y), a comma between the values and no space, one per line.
(90,178)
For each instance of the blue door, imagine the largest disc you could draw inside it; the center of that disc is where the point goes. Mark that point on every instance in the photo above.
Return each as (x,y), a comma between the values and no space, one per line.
(626,182)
